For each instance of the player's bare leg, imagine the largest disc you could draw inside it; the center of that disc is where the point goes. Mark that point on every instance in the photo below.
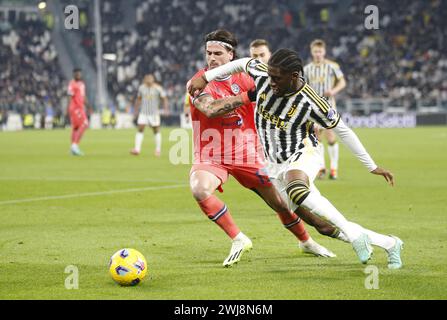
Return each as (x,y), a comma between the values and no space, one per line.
(203,184)
(76,136)
(332,150)
(293,223)
(139,136)
(157,137)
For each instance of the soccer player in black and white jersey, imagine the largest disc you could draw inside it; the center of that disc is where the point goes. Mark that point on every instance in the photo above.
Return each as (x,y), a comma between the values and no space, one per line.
(286,110)
(147,109)
(327,79)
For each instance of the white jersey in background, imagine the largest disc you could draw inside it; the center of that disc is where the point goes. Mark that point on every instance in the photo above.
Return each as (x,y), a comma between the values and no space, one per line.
(151,98)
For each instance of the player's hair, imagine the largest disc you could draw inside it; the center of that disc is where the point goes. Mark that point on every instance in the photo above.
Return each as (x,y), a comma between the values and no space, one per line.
(223,36)
(318,43)
(287,60)
(77,70)
(259,42)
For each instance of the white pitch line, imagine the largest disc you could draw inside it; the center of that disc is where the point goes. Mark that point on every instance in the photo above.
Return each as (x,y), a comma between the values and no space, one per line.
(59,179)
(91,194)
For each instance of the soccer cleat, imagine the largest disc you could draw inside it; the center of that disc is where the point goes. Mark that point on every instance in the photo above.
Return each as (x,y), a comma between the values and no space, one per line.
(312,247)
(362,247)
(321,173)
(76,151)
(239,246)
(333,174)
(394,259)
(134,152)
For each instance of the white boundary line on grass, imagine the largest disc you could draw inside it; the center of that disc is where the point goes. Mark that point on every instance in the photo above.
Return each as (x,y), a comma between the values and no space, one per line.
(77,179)
(91,194)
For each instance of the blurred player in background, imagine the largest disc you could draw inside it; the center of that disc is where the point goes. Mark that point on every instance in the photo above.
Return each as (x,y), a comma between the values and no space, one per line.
(147,109)
(260,49)
(76,110)
(326,77)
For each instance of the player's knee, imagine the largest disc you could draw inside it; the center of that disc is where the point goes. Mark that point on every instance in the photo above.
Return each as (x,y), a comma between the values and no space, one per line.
(297,190)
(201,192)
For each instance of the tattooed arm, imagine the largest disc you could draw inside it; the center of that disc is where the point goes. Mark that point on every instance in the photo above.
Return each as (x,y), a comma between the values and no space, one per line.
(216,108)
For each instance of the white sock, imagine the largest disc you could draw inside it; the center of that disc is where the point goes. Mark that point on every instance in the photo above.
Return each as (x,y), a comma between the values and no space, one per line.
(377,239)
(240,236)
(333,155)
(321,153)
(158,142)
(341,236)
(319,205)
(139,140)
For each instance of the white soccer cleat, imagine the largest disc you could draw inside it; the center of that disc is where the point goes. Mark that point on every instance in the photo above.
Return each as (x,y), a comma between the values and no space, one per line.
(240,245)
(312,247)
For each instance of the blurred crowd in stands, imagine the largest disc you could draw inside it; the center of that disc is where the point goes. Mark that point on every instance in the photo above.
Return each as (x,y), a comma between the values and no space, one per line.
(404,60)
(30,75)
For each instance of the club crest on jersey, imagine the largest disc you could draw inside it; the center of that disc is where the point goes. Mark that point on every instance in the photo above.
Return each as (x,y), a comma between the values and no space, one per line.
(331,115)
(235,88)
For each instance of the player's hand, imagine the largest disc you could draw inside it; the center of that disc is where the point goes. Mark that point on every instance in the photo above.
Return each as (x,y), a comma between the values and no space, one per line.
(328,94)
(389,177)
(197,85)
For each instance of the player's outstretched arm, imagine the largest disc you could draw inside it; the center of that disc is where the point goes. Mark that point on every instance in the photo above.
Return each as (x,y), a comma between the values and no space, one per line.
(349,138)
(198,84)
(216,108)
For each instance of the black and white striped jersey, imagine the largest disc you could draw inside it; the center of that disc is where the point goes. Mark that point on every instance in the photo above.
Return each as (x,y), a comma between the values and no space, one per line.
(284,122)
(151,98)
(322,77)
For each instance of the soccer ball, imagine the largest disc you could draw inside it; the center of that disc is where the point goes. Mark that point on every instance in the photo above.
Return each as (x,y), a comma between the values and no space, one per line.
(128,267)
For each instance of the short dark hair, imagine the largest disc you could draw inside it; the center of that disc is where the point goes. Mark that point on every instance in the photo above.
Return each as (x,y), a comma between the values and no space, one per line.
(77,70)
(287,60)
(223,36)
(259,42)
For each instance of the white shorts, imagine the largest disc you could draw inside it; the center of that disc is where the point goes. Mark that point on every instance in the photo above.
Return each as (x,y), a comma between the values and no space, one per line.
(148,120)
(307,160)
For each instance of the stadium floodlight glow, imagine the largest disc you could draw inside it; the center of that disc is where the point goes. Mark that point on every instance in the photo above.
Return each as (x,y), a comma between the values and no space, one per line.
(42,5)
(109,56)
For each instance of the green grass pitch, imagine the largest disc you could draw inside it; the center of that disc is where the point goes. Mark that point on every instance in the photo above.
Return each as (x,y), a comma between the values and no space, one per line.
(113,200)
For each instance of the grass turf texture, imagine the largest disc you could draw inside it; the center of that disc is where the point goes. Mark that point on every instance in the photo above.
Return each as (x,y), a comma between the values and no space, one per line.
(184,250)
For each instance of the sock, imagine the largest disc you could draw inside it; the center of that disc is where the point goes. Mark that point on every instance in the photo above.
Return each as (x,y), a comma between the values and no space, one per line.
(218,212)
(158,142)
(377,239)
(338,234)
(139,140)
(79,133)
(294,224)
(300,194)
(332,150)
(320,150)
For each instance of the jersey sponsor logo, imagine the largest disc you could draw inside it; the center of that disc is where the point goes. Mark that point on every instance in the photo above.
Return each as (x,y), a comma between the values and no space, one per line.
(235,88)
(276,121)
(332,114)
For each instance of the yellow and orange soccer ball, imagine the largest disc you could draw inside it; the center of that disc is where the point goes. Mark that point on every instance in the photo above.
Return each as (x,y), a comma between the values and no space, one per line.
(128,267)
